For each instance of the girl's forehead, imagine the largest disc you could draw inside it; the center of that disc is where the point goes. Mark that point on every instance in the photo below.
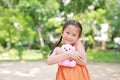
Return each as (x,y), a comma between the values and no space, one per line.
(72,28)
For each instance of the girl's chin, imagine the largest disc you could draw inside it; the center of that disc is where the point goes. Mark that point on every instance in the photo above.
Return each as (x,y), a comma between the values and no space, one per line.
(68,43)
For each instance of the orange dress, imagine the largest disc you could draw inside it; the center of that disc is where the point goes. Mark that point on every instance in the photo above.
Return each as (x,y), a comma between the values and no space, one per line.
(72,73)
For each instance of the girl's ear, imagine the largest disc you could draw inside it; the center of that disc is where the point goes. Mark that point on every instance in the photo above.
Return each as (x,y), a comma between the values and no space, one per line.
(80,36)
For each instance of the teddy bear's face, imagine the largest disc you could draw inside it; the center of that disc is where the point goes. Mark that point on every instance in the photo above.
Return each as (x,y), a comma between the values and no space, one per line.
(68,47)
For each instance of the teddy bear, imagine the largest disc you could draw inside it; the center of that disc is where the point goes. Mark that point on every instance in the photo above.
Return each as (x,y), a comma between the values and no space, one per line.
(67,62)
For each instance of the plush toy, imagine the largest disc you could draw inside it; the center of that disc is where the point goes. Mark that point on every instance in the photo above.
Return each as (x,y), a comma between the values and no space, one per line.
(66,62)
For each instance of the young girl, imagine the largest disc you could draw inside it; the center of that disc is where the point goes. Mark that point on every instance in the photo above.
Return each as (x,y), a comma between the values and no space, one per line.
(71,33)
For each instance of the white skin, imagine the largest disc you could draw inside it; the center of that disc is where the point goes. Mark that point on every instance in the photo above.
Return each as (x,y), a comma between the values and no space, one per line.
(70,35)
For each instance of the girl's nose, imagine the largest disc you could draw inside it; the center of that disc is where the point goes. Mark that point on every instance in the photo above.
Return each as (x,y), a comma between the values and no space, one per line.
(69,36)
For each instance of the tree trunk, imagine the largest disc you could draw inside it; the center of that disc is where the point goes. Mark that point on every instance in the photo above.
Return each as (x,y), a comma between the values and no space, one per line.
(39,29)
(8,45)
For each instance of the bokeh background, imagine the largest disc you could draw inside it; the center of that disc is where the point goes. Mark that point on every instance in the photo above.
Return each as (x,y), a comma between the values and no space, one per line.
(29,29)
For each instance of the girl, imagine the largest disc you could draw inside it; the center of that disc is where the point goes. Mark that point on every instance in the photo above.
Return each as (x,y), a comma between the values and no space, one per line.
(71,33)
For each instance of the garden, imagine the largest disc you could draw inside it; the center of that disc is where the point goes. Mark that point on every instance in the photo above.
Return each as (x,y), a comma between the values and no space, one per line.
(29,29)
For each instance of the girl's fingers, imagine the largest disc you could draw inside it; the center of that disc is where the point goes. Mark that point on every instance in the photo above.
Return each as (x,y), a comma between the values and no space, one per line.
(79,58)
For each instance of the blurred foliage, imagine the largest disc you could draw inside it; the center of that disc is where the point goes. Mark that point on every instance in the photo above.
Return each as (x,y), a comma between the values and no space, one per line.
(96,55)
(28,24)
(99,55)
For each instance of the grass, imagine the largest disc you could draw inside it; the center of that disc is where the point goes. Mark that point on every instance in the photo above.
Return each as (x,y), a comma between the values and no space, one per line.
(95,55)
(27,55)
(103,56)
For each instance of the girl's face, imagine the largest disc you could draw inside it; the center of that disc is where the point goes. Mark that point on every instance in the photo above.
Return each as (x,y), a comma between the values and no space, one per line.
(70,34)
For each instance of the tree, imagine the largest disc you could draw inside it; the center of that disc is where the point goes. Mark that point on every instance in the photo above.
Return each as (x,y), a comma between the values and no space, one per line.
(40,12)
(113,16)
(14,25)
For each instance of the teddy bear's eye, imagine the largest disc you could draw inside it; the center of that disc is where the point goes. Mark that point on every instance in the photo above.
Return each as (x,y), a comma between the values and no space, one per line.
(65,49)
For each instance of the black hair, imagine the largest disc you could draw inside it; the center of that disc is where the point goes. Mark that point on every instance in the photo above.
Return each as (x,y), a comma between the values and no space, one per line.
(70,22)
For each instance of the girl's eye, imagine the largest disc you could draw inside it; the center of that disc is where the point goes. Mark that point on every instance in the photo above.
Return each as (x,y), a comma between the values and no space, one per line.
(67,32)
(74,35)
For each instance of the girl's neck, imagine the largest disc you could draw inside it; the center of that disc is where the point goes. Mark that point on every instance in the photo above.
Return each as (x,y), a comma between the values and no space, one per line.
(74,45)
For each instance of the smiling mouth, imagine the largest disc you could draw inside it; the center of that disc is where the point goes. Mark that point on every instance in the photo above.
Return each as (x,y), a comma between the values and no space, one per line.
(68,40)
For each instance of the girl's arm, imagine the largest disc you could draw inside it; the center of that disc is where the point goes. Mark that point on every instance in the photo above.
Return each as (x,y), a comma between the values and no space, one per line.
(79,55)
(81,51)
(56,56)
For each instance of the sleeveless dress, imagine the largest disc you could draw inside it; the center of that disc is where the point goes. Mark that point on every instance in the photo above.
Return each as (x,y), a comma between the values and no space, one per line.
(72,73)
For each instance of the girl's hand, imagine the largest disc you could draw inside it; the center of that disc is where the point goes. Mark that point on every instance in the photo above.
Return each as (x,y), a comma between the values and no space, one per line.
(77,57)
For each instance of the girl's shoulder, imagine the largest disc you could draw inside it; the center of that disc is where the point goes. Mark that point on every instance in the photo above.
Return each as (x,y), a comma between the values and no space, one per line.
(80,43)
(55,50)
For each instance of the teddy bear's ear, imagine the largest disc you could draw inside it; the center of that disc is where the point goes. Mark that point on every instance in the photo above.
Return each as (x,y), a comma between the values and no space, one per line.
(63,46)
